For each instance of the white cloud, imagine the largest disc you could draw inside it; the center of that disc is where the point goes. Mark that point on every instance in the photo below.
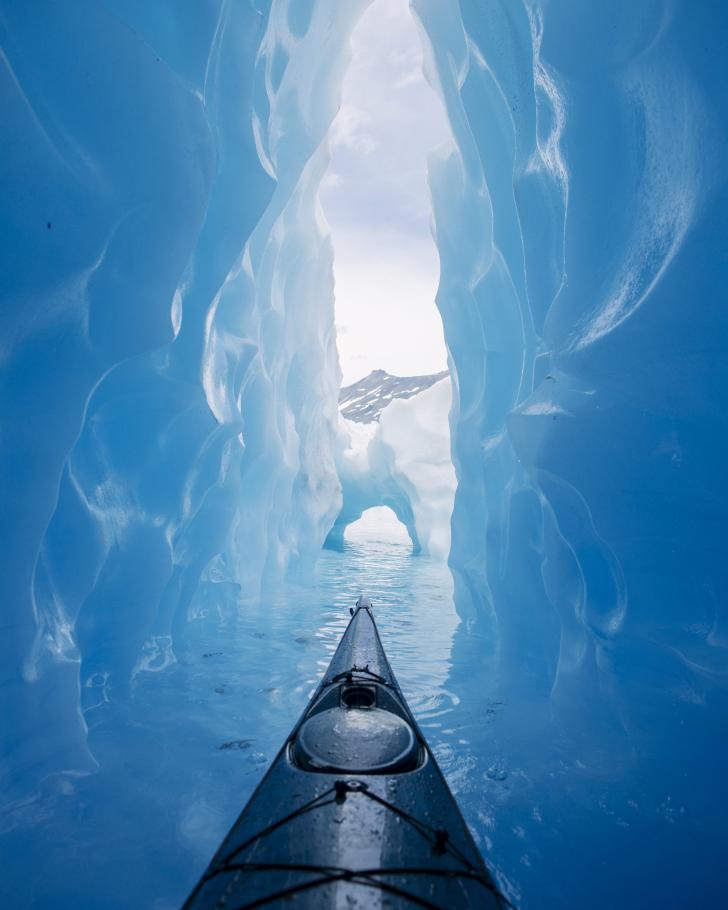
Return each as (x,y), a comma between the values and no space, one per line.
(412,77)
(378,204)
(385,292)
(349,130)
(331,180)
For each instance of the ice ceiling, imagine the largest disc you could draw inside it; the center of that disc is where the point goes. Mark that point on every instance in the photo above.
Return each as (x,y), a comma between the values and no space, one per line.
(169,378)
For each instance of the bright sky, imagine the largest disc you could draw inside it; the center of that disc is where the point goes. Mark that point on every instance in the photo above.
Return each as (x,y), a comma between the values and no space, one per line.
(377,202)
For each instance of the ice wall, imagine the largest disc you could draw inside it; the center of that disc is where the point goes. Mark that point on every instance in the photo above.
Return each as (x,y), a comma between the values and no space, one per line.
(169,373)
(402,461)
(581,225)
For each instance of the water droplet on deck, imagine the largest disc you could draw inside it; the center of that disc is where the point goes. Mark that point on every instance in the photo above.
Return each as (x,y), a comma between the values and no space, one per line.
(496,772)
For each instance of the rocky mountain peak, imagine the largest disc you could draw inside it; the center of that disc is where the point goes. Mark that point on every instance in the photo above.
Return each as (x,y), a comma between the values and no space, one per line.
(363,401)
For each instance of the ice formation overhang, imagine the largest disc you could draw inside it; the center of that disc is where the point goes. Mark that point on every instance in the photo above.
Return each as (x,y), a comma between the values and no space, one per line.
(169,369)
(397,454)
(581,224)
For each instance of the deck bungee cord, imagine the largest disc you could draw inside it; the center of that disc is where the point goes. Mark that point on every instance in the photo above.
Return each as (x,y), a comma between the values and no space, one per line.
(354,808)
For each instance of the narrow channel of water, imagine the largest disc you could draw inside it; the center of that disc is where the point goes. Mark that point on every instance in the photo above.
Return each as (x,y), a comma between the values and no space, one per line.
(182,753)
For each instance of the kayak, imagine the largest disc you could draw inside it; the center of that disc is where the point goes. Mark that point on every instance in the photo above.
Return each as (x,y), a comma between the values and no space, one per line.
(354,811)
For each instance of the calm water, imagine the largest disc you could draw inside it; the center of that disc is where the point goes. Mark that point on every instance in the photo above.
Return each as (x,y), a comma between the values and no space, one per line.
(180,756)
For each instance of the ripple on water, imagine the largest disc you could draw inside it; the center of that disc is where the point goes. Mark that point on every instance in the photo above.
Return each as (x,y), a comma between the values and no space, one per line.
(182,753)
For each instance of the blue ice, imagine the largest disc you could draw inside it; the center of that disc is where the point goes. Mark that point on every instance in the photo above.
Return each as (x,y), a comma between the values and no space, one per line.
(167,476)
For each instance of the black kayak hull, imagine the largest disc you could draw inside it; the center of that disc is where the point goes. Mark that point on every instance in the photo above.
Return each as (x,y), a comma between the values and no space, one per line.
(324,830)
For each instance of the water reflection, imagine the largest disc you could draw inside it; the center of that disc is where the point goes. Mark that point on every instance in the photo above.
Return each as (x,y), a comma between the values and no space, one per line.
(181,753)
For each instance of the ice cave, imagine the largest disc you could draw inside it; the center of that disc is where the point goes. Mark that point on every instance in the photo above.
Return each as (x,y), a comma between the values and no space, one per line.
(189,483)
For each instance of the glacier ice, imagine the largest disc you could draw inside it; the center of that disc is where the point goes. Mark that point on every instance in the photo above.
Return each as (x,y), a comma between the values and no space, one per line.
(169,383)
(169,361)
(396,453)
(580,218)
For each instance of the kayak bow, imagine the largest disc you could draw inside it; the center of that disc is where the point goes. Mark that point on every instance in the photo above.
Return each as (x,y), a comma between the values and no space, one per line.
(354,811)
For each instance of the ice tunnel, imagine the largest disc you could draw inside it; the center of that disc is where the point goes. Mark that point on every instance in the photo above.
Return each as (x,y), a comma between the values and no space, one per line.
(171,454)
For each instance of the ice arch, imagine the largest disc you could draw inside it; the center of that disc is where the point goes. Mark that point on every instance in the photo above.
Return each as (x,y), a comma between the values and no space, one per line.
(378,525)
(401,461)
(365,487)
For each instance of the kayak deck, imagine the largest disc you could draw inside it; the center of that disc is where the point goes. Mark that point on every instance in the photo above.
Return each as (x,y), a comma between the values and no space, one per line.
(354,811)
